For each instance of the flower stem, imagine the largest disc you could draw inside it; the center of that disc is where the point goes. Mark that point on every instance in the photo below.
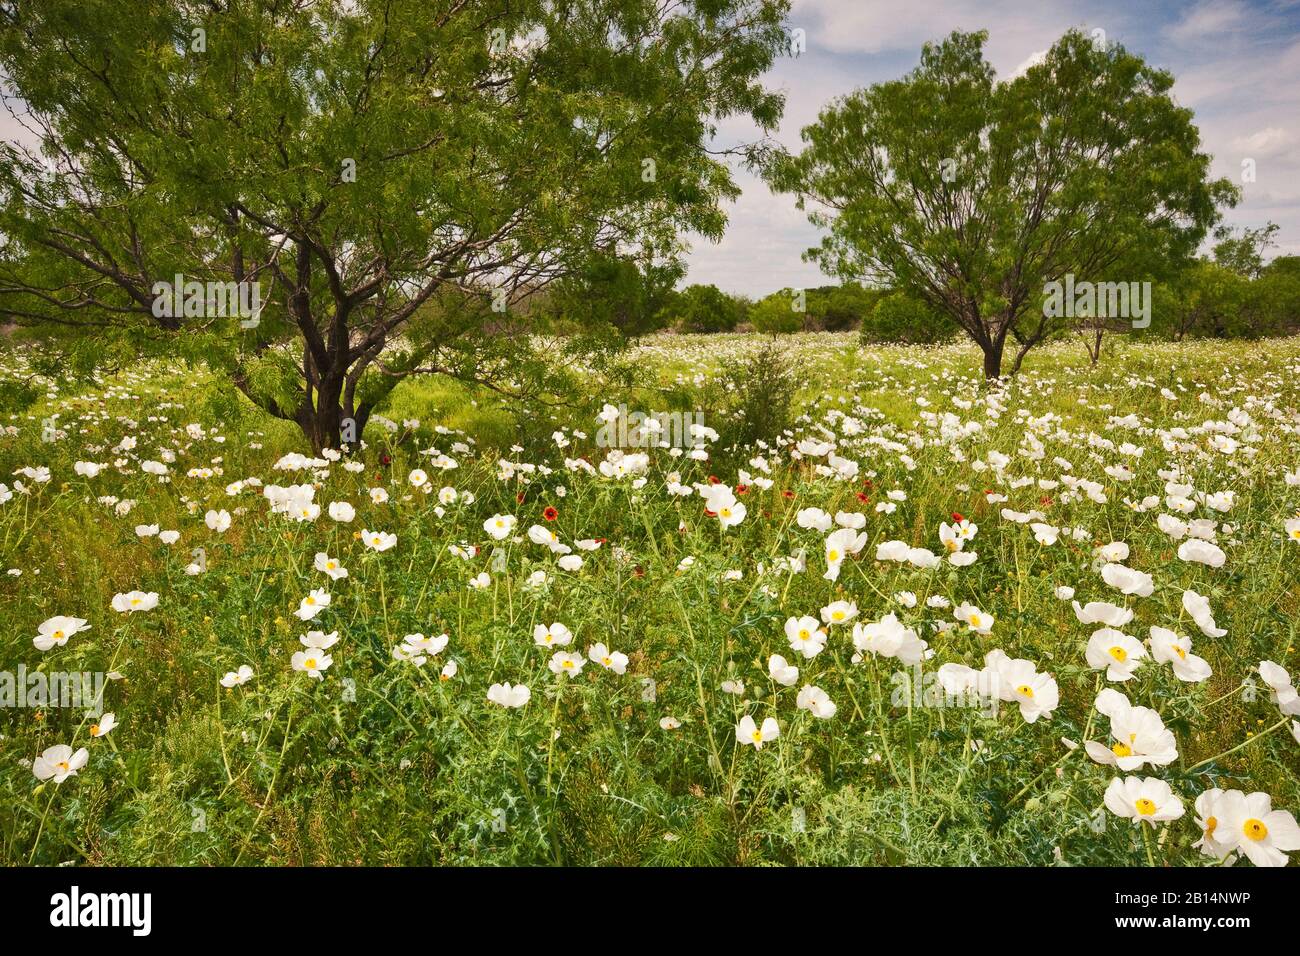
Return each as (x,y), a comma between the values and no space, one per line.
(1246,742)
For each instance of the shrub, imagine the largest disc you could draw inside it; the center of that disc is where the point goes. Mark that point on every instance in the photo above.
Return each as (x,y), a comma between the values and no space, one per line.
(776,315)
(900,318)
(704,308)
(753,396)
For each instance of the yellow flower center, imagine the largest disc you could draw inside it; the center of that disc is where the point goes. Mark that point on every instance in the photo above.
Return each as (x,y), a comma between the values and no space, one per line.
(974,620)
(1180,652)
(58,635)
(94,730)
(725,513)
(567,665)
(803,634)
(309,663)
(1119,654)
(758,736)
(832,555)
(62,765)
(1146,807)
(838,615)
(1025,690)
(606,661)
(1210,825)
(134,601)
(1254,829)
(310,600)
(1122,750)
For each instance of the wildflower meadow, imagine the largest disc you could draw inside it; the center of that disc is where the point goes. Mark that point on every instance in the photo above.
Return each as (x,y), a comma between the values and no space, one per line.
(931,623)
(647,433)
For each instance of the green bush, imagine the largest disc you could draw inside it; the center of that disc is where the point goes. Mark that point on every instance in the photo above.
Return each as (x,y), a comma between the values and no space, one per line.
(704,308)
(777,315)
(837,308)
(754,397)
(900,318)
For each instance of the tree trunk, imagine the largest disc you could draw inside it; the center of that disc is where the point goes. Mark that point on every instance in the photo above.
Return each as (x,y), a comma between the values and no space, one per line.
(333,426)
(993,359)
(322,423)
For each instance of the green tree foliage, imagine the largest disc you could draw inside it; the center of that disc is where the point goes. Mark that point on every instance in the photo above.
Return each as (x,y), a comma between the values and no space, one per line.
(839,307)
(704,308)
(899,317)
(779,313)
(356,159)
(971,193)
(1233,295)
(1243,252)
(1280,282)
(1288,266)
(613,294)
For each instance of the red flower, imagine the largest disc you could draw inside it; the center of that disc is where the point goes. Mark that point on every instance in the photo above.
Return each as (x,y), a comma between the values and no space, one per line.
(520,498)
(714,480)
(787,493)
(864,498)
(549,513)
(741,489)
(386,460)
(956,516)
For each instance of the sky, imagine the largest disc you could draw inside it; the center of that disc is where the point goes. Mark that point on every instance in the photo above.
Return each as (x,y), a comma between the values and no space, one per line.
(1236,65)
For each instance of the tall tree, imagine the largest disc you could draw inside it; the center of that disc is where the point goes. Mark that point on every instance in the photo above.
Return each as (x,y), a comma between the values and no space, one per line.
(972,194)
(1243,251)
(354,158)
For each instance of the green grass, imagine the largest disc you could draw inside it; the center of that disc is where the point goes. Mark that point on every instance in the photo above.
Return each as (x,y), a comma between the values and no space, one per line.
(383,763)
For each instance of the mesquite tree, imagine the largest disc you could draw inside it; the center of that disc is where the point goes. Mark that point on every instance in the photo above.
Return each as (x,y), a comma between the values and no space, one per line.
(972,194)
(359,162)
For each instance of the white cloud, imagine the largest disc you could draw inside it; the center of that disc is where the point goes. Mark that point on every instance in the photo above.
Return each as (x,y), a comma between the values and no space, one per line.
(1270,141)
(1211,21)
(1016,29)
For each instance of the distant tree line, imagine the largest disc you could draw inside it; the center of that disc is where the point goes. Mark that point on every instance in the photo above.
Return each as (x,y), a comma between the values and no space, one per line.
(879,315)
(1233,293)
